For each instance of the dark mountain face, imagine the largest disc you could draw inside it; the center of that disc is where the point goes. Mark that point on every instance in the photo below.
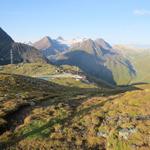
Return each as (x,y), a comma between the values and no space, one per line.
(5,45)
(27,54)
(90,64)
(20,52)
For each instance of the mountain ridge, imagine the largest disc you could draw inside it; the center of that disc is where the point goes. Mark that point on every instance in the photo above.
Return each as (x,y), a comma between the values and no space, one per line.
(17,52)
(102,54)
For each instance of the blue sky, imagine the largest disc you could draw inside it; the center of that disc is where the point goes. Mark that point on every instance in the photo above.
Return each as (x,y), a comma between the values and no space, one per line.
(117,21)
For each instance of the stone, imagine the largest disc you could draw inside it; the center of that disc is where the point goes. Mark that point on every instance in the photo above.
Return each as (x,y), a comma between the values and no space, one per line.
(126,132)
(102,134)
(32,103)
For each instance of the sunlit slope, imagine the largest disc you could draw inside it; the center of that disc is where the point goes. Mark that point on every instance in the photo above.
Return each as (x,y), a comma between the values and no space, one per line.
(63,75)
(79,118)
(140,59)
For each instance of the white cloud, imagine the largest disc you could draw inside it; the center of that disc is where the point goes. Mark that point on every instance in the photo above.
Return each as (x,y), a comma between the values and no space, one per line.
(141,12)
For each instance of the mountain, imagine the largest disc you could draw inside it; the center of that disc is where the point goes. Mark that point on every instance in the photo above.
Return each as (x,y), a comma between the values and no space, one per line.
(98,47)
(139,57)
(20,52)
(129,49)
(50,46)
(5,45)
(44,43)
(98,59)
(27,54)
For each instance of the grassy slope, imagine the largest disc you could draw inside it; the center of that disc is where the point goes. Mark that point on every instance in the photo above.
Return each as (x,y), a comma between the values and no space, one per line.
(30,69)
(141,63)
(15,91)
(75,118)
(45,70)
(121,73)
(140,60)
(19,91)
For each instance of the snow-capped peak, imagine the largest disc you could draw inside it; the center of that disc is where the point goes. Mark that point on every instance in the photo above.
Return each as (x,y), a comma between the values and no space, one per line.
(70,42)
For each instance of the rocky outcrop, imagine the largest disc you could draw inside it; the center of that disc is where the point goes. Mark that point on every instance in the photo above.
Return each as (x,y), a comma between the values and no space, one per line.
(11,51)
(5,45)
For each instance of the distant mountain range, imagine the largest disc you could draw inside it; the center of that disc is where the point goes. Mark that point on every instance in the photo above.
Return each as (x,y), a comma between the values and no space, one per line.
(20,52)
(117,65)
(96,57)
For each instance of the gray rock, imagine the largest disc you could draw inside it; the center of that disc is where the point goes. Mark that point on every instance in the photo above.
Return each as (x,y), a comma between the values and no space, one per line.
(102,134)
(126,132)
(32,103)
